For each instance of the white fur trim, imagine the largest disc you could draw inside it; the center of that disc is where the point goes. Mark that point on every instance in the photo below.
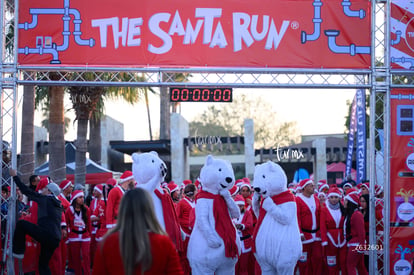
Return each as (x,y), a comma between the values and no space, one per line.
(348,197)
(126,179)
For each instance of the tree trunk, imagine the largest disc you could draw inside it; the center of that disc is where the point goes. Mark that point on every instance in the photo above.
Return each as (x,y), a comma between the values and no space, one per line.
(27,139)
(81,149)
(95,140)
(164,110)
(57,157)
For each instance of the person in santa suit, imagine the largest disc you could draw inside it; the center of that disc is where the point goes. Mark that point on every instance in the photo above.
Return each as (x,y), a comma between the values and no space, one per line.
(174,191)
(184,208)
(355,234)
(138,244)
(126,182)
(97,200)
(66,188)
(79,237)
(308,211)
(244,226)
(332,235)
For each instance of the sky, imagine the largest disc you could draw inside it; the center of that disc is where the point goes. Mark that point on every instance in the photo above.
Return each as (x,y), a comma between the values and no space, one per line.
(315,111)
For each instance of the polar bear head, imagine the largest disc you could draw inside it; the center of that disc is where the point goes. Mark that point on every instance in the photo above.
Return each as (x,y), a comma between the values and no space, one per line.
(148,167)
(269,179)
(216,174)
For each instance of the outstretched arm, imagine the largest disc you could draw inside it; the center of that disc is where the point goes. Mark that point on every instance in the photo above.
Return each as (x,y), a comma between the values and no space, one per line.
(231,205)
(32,195)
(256,204)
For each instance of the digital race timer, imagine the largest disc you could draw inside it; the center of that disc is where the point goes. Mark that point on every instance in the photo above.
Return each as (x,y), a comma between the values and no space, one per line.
(180,94)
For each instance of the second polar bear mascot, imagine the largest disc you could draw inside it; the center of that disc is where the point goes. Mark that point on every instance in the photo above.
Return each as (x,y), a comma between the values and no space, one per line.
(277,243)
(149,172)
(214,247)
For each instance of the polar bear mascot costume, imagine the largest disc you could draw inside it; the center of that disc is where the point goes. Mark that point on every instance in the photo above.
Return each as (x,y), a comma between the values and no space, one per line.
(276,239)
(149,172)
(213,247)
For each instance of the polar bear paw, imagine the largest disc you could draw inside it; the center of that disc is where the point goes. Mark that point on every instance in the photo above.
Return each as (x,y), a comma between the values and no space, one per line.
(268,204)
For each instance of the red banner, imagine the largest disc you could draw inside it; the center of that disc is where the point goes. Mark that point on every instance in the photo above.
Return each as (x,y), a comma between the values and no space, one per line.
(401,181)
(402,35)
(217,33)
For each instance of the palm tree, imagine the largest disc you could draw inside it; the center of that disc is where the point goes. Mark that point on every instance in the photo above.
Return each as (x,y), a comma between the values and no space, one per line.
(27,136)
(165,104)
(84,101)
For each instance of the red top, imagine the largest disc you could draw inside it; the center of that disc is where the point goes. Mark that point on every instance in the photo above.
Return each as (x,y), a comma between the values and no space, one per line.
(357,229)
(332,230)
(165,258)
(184,207)
(114,199)
(305,218)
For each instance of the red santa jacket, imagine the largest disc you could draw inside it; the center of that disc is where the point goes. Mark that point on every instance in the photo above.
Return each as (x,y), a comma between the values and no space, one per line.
(93,206)
(184,207)
(246,233)
(114,199)
(357,233)
(78,230)
(332,227)
(165,259)
(309,219)
(99,212)
(64,201)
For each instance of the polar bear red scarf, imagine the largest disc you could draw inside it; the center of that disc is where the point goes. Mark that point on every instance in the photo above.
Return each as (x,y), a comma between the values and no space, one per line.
(172,226)
(283,197)
(224,225)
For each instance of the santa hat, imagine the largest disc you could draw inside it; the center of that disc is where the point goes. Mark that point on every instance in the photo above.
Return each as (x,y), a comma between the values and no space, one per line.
(239,182)
(65,184)
(321,194)
(42,184)
(378,189)
(76,194)
(126,176)
(334,191)
(305,182)
(323,186)
(363,184)
(352,196)
(197,183)
(234,190)
(246,179)
(321,182)
(239,200)
(172,187)
(98,188)
(111,181)
(245,184)
(187,182)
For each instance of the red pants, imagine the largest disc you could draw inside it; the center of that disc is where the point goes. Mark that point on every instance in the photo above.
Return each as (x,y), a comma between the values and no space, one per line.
(245,264)
(183,257)
(79,255)
(311,261)
(335,259)
(92,248)
(355,261)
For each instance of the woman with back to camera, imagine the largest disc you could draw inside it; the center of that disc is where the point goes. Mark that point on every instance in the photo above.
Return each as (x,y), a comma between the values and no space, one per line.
(125,249)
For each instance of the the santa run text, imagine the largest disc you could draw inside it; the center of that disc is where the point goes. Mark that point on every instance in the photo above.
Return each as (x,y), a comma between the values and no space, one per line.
(208,25)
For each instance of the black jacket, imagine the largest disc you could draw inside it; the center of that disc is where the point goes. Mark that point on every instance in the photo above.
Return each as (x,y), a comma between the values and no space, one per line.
(49,213)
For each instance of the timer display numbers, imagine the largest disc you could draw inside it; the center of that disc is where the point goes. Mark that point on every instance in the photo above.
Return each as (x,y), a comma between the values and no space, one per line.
(180,94)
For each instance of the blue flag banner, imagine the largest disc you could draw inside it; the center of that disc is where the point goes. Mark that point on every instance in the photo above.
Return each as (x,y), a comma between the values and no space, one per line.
(351,134)
(361,147)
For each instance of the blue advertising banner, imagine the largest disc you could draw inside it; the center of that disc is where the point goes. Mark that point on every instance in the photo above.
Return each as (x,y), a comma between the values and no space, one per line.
(361,147)
(351,138)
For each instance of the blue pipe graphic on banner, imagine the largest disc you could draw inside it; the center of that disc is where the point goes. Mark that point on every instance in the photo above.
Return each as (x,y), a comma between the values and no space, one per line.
(352,129)
(361,136)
